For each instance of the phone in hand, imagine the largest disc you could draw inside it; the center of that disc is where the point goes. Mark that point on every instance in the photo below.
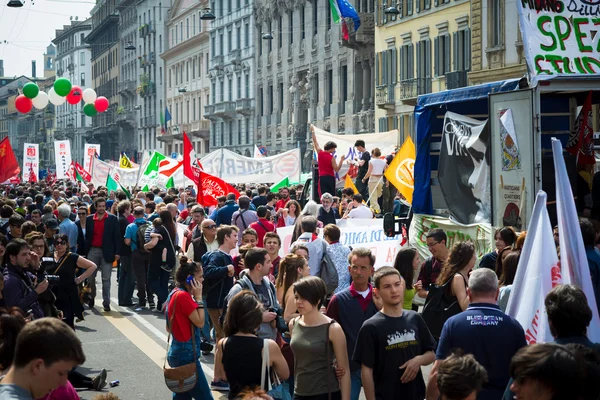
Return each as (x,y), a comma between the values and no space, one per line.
(189,280)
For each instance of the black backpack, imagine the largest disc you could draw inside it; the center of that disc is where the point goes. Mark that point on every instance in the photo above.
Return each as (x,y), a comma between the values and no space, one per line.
(439,307)
(141,237)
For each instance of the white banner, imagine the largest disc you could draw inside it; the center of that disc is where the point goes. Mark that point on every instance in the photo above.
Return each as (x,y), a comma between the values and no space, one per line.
(88,155)
(31,158)
(235,168)
(560,37)
(125,176)
(62,157)
(356,233)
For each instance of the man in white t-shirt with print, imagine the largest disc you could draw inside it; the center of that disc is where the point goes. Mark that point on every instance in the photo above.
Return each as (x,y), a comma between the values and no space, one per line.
(358,208)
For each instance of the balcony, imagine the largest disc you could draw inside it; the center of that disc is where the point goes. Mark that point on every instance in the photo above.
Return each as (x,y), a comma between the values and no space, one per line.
(209,112)
(244,106)
(126,117)
(148,121)
(127,85)
(456,79)
(412,88)
(225,109)
(384,97)
(146,29)
(235,56)
(148,89)
(217,62)
(365,35)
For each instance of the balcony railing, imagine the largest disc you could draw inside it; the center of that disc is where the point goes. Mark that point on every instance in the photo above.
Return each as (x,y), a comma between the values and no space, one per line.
(126,116)
(384,96)
(412,88)
(209,112)
(244,106)
(235,56)
(127,86)
(457,79)
(225,109)
(148,90)
(217,62)
(148,121)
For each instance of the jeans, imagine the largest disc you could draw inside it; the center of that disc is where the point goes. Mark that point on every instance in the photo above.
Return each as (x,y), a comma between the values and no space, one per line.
(140,263)
(355,384)
(126,281)
(205,331)
(105,268)
(181,357)
(158,279)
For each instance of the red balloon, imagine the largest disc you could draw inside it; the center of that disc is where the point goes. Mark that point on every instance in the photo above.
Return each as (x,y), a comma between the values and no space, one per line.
(74,95)
(101,104)
(23,104)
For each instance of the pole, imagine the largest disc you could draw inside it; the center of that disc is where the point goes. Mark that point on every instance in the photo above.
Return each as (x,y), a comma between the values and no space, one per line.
(222,161)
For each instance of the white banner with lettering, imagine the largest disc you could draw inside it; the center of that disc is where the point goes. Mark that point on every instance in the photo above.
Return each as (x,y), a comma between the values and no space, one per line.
(356,233)
(62,157)
(88,155)
(125,176)
(235,168)
(31,159)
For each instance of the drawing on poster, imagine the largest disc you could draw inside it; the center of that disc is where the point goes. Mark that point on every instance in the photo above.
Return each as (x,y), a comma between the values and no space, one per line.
(511,159)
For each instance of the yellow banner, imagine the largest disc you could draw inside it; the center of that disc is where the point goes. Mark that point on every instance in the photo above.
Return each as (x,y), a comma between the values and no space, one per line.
(401,171)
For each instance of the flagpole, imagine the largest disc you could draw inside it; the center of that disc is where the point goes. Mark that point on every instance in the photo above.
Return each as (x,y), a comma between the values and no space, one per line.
(222,161)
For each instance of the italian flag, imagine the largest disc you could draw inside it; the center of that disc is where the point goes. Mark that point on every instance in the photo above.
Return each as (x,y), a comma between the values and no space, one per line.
(113,185)
(335,11)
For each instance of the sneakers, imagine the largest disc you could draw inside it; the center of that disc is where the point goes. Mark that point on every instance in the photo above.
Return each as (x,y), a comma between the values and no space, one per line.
(106,307)
(206,347)
(166,268)
(220,386)
(99,381)
(151,305)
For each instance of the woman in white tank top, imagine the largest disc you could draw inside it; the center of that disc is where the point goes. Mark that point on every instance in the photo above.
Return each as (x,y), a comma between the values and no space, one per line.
(374,174)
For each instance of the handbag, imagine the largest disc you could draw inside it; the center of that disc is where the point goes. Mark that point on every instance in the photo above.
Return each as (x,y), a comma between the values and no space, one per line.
(269,381)
(439,307)
(180,379)
(328,272)
(174,251)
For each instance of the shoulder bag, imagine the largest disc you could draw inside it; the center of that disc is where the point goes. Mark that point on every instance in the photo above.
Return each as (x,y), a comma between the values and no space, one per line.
(269,380)
(174,251)
(328,272)
(439,307)
(180,379)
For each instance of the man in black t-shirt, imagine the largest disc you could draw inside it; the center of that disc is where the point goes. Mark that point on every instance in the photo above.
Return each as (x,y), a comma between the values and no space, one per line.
(393,345)
(363,167)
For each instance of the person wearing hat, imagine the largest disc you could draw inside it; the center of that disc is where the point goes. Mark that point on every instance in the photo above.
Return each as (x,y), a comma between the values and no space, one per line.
(51,229)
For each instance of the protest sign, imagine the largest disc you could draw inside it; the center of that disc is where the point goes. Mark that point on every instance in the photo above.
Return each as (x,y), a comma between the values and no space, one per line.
(31,160)
(62,156)
(90,152)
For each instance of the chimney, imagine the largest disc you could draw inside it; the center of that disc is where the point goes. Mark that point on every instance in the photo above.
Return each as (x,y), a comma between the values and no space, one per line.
(33,69)
(1,67)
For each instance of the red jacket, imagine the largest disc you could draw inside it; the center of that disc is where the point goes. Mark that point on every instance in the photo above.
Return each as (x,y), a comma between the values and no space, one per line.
(262,226)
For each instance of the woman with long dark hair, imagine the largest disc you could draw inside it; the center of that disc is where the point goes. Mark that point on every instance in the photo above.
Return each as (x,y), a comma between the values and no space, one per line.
(291,269)
(407,262)
(460,262)
(504,237)
(289,214)
(509,270)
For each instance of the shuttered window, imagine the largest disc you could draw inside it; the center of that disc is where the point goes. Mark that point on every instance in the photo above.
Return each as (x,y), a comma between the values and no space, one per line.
(441,51)
(407,62)
(462,50)
(424,58)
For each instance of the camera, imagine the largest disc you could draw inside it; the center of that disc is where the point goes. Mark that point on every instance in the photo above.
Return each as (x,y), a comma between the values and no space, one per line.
(280,323)
(52,279)
(46,263)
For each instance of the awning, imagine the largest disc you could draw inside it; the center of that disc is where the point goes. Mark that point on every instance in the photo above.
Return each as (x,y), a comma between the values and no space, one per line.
(468,93)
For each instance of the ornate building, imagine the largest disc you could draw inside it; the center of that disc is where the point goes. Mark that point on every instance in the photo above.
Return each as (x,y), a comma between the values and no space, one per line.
(308,73)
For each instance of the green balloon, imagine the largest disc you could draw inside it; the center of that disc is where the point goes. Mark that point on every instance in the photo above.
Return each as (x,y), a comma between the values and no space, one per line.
(90,110)
(30,90)
(62,87)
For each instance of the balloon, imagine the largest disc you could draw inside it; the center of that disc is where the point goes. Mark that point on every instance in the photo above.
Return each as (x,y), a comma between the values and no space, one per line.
(74,95)
(90,110)
(89,95)
(101,104)
(62,86)
(30,90)
(23,104)
(55,98)
(40,101)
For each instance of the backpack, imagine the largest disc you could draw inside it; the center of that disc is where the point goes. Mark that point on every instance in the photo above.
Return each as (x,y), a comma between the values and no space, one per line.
(328,272)
(439,307)
(141,237)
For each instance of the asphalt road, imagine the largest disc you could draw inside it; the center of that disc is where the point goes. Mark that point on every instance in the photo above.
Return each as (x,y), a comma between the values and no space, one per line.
(132,347)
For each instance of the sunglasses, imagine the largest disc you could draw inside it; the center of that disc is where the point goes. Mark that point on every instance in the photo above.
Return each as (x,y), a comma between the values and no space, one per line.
(210,227)
(60,243)
(81,213)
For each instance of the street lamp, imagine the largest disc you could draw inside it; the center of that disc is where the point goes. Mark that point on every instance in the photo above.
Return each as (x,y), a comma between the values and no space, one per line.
(182,90)
(206,16)
(129,46)
(393,10)
(267,36)
(15,3)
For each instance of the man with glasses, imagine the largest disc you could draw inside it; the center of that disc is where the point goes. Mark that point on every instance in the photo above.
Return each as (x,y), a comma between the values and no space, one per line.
(353,306)
(205,243)
(431,268)
(327,214)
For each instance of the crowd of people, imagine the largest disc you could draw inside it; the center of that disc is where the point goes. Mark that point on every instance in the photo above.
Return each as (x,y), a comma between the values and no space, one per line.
(279,327)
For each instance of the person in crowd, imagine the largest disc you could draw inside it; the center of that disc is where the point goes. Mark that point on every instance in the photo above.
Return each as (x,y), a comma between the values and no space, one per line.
(27,228)
(293,268)
(458,377)
(206,242)
(504,237)
(500,259)
(36,218)
(261,199)
(149,209)
(5,213)
(258,263)
(431,268)
(407,263)
(313,356)
(19,288)
(81,223)
(140,257)
(461,261)
(249,237)
(287,215)
(358,209)
(352,306)
(14,226)
(162,244)
(11,323)
(46,299)
(484,331)
(589,239)
(3,243)
(520,242)
(262,225)
(327,212)
(103,245)
(509,271)
(311,209)
(338,253)
(272,199)
(51,228)
(327,164)
(272,243)
(48,212)
(315,245)
(363,166)
(126,274)
(223,214)
(393,345)
(65,266)
(374,177)
(66,226)
(185,318)
(241,350)
(194,230)
(284,197)
(244,216)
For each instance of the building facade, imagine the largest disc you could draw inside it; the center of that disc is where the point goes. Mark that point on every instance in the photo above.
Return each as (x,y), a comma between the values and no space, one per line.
(187,85)
(425,48)
(232,76)
(73,61)
(497,46)
(49,60)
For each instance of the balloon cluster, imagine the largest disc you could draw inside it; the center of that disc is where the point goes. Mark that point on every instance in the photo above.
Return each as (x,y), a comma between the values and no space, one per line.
(62,91)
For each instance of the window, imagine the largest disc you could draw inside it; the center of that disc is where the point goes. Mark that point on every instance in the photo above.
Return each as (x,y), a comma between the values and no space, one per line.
(170,75)
(280,95)
(270,44)
(247,34)
(213,45)
(187,71)
(230,133)
(239,86)
(229,40)
(423,5)
(238,4)
(193,67)
(247,130)
(160,43)
(315,86)
(407,64)
(290,25)
(194,24)
(160,76)
(462,50)
(270,99)
(260,46)
(423,66)
(82,38)
(213,92)
(82,58)
(302,23)
(238,37)
(261,105)
(344,88)
(441,49)
(230,89)
(83,79)
(176,37)
(239,131)
(193,109)
(329,86)
(160,11)
(221,44)
(187,28)
(280,36)
(247,85)
(328,17)
(494,11)
(315,17)
(172,38)
(221,90)
(187,111)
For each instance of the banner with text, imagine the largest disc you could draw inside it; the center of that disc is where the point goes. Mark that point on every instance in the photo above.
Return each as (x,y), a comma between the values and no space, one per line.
(356,233)
(235,168)
(62,157)
(31,160)
(125,176)
(88,155)
(560,37)
(479,234)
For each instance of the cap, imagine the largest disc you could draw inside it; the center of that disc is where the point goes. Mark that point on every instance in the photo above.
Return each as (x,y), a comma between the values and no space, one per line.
(52,224)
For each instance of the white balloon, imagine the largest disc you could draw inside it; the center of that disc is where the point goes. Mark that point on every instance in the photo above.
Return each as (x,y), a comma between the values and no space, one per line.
(89,95)
(55,98)
(40,101)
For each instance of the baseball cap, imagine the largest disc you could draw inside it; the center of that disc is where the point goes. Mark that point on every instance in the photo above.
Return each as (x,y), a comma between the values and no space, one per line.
(52,223)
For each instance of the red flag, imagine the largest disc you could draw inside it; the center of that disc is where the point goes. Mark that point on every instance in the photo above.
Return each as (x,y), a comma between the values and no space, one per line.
(211,187)
(191,164)
(32,176)
(8,161)
(84,174)
(581,139)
